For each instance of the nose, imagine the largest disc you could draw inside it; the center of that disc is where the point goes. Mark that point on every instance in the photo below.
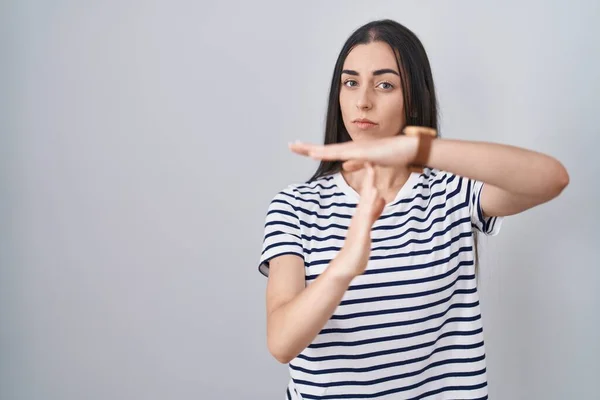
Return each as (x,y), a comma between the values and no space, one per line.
(363,101)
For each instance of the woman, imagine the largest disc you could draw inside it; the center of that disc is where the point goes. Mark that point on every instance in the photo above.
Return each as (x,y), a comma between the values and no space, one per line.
(372,291)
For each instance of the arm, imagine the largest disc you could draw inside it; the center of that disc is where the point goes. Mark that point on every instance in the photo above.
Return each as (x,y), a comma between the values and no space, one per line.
(516,179)
(295,314)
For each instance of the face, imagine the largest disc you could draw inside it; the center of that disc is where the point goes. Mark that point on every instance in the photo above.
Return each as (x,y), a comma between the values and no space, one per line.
(371,93)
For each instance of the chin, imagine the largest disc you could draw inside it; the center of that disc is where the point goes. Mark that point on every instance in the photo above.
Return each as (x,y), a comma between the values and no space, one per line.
(365,135)
(359,136)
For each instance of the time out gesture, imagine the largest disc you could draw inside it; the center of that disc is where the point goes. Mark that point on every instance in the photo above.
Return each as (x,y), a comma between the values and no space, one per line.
(516,179)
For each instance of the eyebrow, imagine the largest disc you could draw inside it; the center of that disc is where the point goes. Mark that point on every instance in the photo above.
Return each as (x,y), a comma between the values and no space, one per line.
(375,73)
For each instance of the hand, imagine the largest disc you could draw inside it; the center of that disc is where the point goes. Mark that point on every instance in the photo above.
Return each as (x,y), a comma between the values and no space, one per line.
(354,255)
(398,150)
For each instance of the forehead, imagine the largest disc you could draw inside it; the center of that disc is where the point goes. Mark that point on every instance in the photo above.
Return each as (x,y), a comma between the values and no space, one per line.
(370,57)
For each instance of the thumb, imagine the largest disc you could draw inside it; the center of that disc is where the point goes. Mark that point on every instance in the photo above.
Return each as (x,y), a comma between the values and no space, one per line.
(371,204)
(378,208)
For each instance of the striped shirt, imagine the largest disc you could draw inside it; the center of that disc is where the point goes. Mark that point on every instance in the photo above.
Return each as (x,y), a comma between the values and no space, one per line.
(408,328)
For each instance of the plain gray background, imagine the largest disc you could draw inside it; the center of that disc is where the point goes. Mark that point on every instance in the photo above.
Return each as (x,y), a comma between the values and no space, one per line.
(141,143)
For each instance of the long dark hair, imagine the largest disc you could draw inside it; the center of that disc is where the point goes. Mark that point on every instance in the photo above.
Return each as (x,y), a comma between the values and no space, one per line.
(420,101)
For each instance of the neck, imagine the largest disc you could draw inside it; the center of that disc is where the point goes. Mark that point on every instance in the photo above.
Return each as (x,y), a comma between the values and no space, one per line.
(388,180)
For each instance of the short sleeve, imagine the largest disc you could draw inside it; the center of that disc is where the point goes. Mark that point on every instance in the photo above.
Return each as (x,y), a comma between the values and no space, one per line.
(282,230)
(489,226)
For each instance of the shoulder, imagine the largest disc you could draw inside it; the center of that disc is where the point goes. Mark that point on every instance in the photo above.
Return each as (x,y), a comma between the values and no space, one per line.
(307,198)
(303,191)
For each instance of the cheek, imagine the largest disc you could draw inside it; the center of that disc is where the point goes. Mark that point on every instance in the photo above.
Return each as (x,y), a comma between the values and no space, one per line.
(394,115)
(344,103)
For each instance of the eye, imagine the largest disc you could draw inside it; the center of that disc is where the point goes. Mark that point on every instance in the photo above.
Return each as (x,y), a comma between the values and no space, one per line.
(386,85)
(350,83)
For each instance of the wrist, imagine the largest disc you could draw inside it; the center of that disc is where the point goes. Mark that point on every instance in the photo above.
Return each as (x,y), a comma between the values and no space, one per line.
(411,148)
(421,141)
(340,268)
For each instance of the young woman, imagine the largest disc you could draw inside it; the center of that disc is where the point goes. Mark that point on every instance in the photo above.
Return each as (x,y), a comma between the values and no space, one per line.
(372,291)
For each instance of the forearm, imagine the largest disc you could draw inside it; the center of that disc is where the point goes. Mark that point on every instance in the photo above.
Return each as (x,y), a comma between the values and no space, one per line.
(294,325)
(513,169)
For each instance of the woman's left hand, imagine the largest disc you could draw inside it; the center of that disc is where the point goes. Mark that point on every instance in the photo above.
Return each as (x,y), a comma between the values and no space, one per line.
(398,150)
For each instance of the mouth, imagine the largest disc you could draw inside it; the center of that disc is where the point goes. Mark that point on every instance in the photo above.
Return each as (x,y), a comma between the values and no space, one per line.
(364,123)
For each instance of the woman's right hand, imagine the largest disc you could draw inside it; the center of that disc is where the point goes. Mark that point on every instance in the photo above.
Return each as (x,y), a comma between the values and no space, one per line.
(354,255)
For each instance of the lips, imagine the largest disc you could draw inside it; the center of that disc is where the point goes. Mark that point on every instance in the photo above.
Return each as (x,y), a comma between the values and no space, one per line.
(364,123)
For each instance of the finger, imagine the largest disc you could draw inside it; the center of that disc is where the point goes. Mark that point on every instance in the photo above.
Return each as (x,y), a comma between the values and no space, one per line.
(337,151)
(353,165)
(373,201)
(366,198)
(378,209)
(370,174)
(300,148)
(368,180)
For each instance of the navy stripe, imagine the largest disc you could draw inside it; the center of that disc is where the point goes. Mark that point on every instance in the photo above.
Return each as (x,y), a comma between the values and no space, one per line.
(379,299)
(388,365)
(267,260)
(353,206)
(377,240)
(289,396)
(428,240)
(426,185)
(486,225)
(391,311)
(279,244)
(398,255)
(283,212)
(477,203)
(490,225)
(393,377)
(450,389)
(380,339)
(388,227)
(293,197)
(317,184)
(428,172)
(275,233)
(399,246)
(322,196)
(393,226)
(271,223)
(410,282)
(469,187)
(411,267)
(398,283)
(418,266)
(410,387)
(434,183)
(394,350)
